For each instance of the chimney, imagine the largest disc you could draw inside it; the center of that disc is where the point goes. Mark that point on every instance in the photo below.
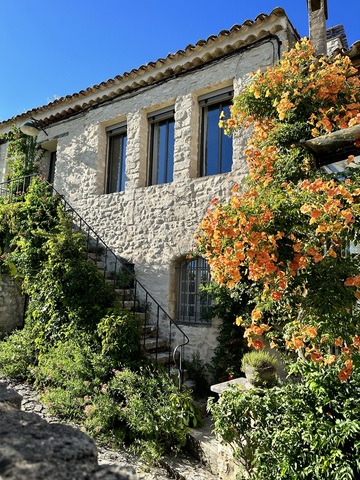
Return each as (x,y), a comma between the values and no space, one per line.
(318,14)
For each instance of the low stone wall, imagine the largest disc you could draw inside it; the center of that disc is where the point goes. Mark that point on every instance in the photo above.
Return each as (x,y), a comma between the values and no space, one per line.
(11,305)
(33,449)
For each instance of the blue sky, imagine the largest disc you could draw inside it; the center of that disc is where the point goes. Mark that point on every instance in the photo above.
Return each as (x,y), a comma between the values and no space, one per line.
(52,48)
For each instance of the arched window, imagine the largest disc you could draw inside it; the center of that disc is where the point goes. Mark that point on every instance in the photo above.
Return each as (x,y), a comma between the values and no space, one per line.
(192,304)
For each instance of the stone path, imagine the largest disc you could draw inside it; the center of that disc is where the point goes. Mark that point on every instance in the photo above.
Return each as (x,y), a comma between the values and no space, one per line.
(31,403)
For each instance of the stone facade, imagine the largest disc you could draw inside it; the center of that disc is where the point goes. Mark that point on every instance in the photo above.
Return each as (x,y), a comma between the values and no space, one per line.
(11,305)
(154,226)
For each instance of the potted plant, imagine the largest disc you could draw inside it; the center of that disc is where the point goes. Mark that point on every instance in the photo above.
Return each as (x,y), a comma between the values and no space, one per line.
(260,368)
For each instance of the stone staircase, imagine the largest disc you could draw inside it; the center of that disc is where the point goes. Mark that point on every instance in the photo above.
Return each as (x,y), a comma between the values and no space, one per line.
(154,345)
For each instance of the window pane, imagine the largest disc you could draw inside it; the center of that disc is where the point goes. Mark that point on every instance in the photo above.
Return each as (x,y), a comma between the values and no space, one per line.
(212,142)
(162,152)
(117,163)
(216,148)
(226,145)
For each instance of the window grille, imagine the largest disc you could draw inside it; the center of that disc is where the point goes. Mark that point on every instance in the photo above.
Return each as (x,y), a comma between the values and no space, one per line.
(193,304)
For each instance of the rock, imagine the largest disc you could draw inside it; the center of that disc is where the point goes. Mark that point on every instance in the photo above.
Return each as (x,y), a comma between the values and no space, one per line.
(33,449)
(9,396)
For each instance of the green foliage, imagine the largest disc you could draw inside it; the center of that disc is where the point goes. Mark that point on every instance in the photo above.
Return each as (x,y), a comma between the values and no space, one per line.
(284,241)
(124,277)
(120,337)
(75,339)
(307,430)
(65,365)
(197,371)
(24,155)
(259,359)
(260,368)
(230,346)
(18,354)
(143,408)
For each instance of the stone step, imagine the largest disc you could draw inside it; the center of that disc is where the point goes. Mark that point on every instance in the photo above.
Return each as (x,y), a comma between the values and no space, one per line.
(186,467)
(208,450)
(93,256)
(132,305)
(149,331)
(161,357)
(126,293)
(151,344)
(141,315)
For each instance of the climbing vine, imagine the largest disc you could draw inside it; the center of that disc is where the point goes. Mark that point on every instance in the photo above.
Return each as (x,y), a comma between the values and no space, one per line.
(292,231)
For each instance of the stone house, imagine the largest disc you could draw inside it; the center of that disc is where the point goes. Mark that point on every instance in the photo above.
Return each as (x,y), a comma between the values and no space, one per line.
(140,157)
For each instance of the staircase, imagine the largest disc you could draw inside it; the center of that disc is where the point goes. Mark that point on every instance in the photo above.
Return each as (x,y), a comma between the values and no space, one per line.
(154,346)
(131,294)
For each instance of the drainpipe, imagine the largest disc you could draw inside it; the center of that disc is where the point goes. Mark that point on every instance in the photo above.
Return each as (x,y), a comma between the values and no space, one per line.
(318,14)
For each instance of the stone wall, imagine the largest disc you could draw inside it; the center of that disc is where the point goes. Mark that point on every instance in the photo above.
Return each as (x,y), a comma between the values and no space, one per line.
(11,305)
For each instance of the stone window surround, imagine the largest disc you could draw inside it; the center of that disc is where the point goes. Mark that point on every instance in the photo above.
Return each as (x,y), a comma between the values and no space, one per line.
(111,131)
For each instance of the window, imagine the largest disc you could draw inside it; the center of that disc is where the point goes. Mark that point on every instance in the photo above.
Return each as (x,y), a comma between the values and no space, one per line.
(51,174)
(315,5)
(117,140)
(161,165)
(216,147)
(192,303)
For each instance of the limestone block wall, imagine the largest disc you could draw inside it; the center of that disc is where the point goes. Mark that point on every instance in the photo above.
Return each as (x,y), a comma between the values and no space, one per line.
(11,305)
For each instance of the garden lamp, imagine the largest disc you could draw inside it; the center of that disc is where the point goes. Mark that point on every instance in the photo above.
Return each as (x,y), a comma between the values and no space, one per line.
(32,128)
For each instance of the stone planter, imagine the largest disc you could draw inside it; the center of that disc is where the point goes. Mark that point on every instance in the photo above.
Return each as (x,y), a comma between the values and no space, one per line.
(260,376)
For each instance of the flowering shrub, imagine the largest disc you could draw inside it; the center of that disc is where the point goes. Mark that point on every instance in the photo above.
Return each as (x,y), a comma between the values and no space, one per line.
(307,430)
(288,232)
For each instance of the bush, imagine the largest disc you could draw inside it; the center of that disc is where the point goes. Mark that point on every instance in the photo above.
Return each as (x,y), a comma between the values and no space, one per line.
(145,405)
(230,345)
(18,354)
(120,337)
(197,371)
(308,430)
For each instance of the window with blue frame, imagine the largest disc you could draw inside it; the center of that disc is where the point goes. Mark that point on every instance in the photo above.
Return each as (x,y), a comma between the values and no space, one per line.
(161,164)
(117,140)
(215,147)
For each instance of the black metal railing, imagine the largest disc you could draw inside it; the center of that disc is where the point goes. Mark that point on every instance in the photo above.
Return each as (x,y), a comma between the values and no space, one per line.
(120,273)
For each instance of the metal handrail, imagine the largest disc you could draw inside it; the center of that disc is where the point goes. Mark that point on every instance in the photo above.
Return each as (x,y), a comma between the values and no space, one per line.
(97,249)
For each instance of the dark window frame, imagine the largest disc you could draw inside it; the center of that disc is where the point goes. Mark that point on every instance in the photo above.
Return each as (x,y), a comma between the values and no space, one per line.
(161,147)
(217,102)
(116,167)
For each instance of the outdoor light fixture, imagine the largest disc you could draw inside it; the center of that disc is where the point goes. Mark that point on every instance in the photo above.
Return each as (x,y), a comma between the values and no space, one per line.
(32,128)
